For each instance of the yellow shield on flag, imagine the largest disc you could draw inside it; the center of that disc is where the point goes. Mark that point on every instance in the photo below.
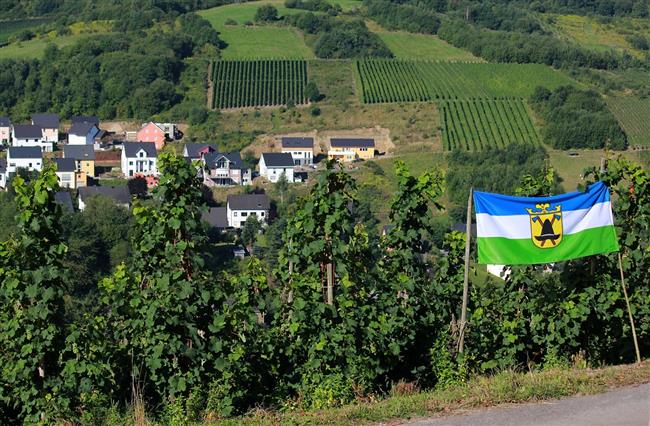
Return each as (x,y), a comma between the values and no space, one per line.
(546,225)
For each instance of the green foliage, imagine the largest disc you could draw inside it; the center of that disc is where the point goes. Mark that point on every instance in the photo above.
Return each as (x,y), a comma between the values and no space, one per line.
(577,118)
(350,40)
(266,13)
(32,325)
(249,233)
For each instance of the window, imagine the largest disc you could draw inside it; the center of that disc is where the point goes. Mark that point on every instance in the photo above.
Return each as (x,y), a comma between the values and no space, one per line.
(262,214)
(30,164)
(234,214)
(244,214)
(274,171)
(130,163)
(130,172)
(141,154)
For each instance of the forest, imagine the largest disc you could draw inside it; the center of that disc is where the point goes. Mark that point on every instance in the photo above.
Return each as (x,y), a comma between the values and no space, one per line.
(193,342)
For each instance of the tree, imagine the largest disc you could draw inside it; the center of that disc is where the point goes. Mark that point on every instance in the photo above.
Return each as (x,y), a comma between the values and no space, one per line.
(32,305)
(312,92)
(138,186)
(249,233)
(282,185)
(266,13)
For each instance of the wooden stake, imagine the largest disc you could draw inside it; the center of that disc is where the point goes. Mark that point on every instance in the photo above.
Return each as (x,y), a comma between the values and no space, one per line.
(330,284)
(463,313)
(629,311)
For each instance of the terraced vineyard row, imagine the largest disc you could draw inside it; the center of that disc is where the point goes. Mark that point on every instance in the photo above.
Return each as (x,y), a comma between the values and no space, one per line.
(478,124)
(384,81)
(634,116)
(237,84)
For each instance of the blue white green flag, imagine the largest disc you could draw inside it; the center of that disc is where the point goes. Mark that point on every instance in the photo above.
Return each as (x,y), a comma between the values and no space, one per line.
(530,230)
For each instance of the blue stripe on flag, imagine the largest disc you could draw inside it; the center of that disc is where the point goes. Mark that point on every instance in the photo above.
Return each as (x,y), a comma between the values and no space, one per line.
(506,205)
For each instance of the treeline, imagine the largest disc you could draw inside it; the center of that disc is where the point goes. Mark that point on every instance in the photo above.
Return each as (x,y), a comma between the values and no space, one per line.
(498,32)
(343,313)
(575,118)
(130,74)
(314,6)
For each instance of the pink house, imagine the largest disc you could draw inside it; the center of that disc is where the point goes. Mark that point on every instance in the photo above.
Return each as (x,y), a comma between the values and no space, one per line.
(151,132)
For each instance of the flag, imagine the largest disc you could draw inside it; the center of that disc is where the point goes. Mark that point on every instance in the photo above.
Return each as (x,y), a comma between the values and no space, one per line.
(529,230)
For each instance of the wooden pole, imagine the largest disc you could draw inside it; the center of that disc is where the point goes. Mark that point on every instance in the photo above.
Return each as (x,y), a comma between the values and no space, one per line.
(629,311)
(468,238)
(330,284)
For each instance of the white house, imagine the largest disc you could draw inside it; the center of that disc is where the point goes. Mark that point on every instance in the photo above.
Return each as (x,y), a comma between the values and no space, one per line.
(24,157)
(29,135)
(82,133)
(240,207)
(49,124)
(139,159)
(5,131)
(301,150)
(119,194)
(273,164)
(66,171)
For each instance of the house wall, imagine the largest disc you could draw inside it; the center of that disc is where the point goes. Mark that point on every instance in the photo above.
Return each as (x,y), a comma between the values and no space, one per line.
(43,145)
(67,179)
(51,135)
(301,157)
(88,139)
(360,153)
(5,135)
(87,167)
(342,155)
(151,133)
(237,218)
(132,166)
(24,163)
(3,180)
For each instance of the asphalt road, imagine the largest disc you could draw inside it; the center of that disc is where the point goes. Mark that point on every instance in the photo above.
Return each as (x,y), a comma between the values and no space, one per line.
(628,406)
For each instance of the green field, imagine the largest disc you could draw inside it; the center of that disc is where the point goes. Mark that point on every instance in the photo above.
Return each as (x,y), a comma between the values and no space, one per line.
(34,49)
(423,47)
(255,41)
(476,125)
(258,83)
(11,28)
(412,81)
(347,5)
(634,116)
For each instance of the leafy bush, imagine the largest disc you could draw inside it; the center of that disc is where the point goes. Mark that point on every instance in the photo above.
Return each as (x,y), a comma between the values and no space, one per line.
(351,40)
(266,13)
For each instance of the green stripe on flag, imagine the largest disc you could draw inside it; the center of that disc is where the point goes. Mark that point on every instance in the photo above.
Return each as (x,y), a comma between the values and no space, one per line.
(504,251)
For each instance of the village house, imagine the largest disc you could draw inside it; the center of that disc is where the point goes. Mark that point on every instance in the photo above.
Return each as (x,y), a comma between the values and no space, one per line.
(64,199)
(85,119)
(29,135)
(82,133)
(120,195)
(49,124)
(347,150)
(66,171)
(139,159)
(24,157)
(196,151)
(225,169)
(240,207)
(5,131)
(157,133)
(274,164)
(216,217)
(84,157)
(301,150)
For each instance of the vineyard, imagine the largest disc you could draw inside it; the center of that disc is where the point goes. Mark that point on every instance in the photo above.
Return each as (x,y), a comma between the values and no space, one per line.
(384,81)
(258,83)
(476,125)
(634,116)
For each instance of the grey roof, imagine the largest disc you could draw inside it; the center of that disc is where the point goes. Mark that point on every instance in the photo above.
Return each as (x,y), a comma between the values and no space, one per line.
(25,152)
(352,143)
(3,165)
(65,200)
(46,121)
(217,217)
(85,119)
(81,128)
(65,164)
(28,131)
(5,122)
(119,193)
(131,149)
(234,158)
(249,202)
(193,149)
(297,142)
(79,152)
(277,159)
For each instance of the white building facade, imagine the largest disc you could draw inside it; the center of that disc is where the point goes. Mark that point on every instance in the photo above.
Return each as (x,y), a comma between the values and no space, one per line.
(273,165)
(139,159)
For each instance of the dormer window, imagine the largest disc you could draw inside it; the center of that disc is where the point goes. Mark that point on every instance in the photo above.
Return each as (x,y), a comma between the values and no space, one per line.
(141,154)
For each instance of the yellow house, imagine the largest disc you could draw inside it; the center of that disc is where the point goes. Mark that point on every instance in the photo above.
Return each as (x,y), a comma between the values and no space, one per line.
(84,156)
(347,150)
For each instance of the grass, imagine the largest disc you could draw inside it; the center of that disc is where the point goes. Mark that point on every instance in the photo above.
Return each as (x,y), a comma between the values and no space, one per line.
(253,42)
(347,5)
(11,28)
(406,45)
(634,116)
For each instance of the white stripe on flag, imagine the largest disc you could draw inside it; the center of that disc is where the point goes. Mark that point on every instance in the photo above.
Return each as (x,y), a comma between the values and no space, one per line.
(518,226)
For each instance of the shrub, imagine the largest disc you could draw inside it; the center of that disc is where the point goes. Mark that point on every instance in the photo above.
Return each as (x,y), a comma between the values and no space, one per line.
(266,13)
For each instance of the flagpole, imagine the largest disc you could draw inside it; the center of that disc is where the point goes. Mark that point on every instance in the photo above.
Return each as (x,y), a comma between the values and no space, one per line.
(629,310)
(468,238)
